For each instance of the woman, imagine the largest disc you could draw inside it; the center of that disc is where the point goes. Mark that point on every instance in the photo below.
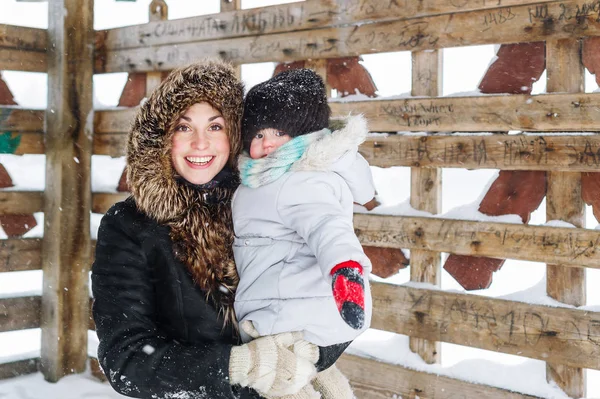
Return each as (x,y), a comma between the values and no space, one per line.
(163,278)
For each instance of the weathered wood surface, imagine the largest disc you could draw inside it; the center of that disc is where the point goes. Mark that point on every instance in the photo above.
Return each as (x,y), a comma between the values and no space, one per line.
(392,381)
(101,202)
(20,254)
(508,152)
(67,197)
(547,112)
(561,335)
(569,246)
(474,151)
(558,20)
(23,38)
(21,202)
(15,119)
(21,367)
(20,313)
(286,18)
(96,370)
(22,48)
(564,202)
(426,193)
(119,120)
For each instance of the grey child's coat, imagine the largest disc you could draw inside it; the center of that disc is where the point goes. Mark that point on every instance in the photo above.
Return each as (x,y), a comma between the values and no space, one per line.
(290,233)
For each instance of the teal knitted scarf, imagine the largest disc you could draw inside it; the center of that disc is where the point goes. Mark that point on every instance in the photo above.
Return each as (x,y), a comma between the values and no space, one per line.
(258,172)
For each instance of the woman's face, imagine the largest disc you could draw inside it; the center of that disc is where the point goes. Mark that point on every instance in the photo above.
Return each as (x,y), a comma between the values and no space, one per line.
(200,146)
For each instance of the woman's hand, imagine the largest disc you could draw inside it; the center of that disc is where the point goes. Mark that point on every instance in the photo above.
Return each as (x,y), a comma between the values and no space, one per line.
(274,365)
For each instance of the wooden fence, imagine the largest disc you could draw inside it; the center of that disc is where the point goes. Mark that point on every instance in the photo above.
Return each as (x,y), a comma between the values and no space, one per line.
(69,132)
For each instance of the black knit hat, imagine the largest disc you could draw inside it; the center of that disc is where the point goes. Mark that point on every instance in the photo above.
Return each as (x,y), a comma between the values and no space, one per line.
(294,101)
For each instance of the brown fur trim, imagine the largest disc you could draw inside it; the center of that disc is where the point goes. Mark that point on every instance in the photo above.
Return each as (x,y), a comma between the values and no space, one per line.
(202,233)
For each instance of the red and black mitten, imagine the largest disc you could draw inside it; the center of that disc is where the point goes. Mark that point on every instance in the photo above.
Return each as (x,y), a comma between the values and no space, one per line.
(349,292)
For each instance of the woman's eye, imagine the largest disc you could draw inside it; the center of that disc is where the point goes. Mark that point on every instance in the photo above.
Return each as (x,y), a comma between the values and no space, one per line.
(182,128)
(215,127)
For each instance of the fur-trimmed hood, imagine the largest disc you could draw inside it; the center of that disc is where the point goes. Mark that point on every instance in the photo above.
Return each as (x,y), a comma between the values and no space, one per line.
(199,217)
(150,173)
(329,152)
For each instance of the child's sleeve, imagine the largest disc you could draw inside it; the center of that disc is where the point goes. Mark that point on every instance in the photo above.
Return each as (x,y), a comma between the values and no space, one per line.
(310,204)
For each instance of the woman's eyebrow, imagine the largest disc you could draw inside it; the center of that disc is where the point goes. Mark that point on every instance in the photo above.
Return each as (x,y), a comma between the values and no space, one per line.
(212,118)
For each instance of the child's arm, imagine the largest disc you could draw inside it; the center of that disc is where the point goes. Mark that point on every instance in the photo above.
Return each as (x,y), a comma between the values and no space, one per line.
(311,205)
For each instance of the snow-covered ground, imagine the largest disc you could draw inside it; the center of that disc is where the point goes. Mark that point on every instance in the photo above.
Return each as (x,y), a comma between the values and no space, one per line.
(517,280)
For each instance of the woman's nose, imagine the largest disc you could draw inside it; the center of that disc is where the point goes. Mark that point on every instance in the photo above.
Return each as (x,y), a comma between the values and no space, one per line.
(199,141)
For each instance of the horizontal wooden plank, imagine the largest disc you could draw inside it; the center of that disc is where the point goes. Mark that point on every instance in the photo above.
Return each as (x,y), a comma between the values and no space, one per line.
(101,202)
(16,120)
(568,19)
(21,202)
(547,112)
(23,38)
(21,367)
(20,254)
(20,313)
(25,143)
(113,144)
(497,151)
(18,60)
(114,121)
(556,245)
(560,335)
(384,381)
(285,18)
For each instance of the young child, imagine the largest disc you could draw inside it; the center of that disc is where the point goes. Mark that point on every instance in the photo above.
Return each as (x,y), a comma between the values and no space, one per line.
(300,264)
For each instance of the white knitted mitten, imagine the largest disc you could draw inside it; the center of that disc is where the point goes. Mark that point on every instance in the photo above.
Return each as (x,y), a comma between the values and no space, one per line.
(332,384)
(274,365)
(308,392)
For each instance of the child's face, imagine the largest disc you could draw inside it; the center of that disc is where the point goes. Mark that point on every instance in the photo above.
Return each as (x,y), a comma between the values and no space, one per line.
(266,141)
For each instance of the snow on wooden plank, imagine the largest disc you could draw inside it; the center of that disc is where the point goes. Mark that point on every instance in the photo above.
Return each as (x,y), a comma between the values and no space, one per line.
(20,254)
(20,313)
(391,381)
(561,335)
(21,367)
(546,112)
(287,18)
(508,152)
(569,246)
(569,19)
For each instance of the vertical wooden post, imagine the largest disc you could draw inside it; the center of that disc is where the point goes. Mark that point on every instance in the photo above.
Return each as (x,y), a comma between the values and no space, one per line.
(158,11)
(563,202)
(67,197)
(232,5)
(426,192)
(320,67)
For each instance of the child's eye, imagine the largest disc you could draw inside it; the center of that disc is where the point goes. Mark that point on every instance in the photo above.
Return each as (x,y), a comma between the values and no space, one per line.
(280,134)
(258,136)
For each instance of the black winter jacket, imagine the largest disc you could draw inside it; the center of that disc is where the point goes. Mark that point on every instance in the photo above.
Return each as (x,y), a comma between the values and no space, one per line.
(159,338)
